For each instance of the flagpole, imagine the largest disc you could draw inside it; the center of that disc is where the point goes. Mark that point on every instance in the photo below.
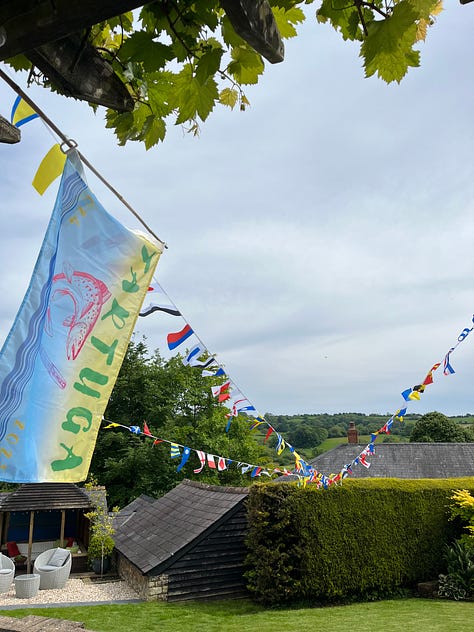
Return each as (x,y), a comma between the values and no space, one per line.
(73,145)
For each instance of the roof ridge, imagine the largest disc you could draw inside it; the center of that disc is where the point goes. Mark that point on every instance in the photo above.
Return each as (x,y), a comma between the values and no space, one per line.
(215,488)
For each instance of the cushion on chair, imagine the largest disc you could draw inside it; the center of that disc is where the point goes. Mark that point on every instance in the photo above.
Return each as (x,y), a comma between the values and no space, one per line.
(58,558)
(47,567)
(13,549)
(5,571)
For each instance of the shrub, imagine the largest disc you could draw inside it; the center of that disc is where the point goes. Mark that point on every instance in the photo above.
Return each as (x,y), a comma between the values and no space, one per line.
(366,538)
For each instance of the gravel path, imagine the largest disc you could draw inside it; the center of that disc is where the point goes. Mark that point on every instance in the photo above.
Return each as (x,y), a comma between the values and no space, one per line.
(75,591)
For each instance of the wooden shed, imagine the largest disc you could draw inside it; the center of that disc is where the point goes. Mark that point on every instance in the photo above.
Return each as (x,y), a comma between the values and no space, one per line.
(37,515)
(188,544)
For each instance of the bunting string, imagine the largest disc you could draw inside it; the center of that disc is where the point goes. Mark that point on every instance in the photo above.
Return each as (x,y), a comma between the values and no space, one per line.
(214,462)
(232,397)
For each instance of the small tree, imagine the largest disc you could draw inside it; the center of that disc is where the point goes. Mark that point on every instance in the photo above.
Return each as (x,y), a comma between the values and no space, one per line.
(101,542)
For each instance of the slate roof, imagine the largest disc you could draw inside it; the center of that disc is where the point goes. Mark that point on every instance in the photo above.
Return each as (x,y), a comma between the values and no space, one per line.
(153,533)
(41,496)
(402,460)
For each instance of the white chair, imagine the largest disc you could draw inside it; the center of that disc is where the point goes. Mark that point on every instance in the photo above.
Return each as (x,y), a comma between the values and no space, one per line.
(53,567)
(7,573)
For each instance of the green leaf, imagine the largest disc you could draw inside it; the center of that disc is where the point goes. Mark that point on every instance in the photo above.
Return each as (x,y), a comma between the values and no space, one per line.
(160,93)
(344,17)
(140,47)
(229,35)
(228,97)
(194,98)
(122,123)
(154,131)
(208,64)
(424,8)
(19,62)
(388,49)
(246,66)
(287,19)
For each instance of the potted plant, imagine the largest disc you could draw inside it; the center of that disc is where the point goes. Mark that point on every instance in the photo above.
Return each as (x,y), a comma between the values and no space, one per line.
(19,560)
(101,542)
(99,551)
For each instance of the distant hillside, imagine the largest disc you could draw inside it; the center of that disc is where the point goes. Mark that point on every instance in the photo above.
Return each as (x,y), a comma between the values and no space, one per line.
(313,434)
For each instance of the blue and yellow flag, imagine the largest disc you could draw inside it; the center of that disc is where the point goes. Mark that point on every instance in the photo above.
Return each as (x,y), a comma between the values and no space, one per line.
(22,113)
(61,358)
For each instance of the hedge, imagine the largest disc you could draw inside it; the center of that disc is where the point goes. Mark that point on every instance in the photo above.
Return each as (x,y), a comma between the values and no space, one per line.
(367,538)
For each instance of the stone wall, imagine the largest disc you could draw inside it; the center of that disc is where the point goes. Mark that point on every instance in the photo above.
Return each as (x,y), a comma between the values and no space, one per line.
(153,588)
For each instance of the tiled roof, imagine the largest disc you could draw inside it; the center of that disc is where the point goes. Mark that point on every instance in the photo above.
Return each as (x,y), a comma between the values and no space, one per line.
(160,530)
(402,460)
(41,496)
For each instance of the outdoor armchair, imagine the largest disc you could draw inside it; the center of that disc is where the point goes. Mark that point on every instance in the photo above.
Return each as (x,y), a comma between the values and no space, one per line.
(53,566)
(7,573)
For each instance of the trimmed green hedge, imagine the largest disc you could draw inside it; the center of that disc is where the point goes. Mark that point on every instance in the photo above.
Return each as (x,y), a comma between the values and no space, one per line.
(367,538)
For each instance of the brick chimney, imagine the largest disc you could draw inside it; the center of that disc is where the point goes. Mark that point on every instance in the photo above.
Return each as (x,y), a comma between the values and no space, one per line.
(352,434)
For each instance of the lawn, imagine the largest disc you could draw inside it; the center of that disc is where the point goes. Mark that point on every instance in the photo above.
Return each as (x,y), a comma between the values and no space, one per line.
(409,615)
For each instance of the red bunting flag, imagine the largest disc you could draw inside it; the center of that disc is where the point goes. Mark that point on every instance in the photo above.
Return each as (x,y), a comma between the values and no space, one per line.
(210,461)
(269,432)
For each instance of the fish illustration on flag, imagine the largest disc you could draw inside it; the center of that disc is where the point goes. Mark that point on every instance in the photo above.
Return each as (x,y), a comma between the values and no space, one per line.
(61,358)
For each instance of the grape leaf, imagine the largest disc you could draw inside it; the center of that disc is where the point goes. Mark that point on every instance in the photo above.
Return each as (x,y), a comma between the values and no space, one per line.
(208,64)
(388,48)
(229,97)
(141,47)
(343,17)
(193,97)
(246,65)
(154,130)
(287,19)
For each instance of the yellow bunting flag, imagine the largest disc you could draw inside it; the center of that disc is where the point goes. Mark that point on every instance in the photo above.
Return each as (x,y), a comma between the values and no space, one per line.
(22,112)
(51,167)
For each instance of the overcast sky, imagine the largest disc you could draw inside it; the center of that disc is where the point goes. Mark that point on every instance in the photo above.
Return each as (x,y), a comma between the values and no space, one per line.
(320,243)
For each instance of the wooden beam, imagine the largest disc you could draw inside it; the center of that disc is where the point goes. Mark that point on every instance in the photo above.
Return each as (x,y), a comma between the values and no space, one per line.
(27,24)
(30,541)
(253,20)
(76,69)
(63,522)
(7,525)
(8,132)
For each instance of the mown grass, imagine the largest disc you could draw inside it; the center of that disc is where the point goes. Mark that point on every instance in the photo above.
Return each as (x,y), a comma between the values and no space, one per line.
(409,615)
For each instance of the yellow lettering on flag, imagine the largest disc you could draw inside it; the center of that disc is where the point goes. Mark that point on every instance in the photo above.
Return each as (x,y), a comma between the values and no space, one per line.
(51,167)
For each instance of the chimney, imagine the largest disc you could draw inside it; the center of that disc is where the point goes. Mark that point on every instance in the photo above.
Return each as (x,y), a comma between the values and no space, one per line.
(352,434)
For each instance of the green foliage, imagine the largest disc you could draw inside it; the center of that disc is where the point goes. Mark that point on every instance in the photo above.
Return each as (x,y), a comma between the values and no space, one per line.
(435,427)
(367,538)
(177,404)
(180,60)
(459,582)
(463,507)
(101,542)
(100,547)
(388,31)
